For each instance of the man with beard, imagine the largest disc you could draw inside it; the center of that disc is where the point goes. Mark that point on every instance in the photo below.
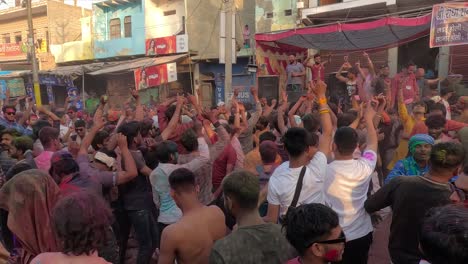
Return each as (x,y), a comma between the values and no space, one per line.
(416,164)
(296,72)
(21,150)
(317,67)
(6,138)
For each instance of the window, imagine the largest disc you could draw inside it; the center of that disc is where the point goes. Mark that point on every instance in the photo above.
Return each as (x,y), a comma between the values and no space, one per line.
(6,38)
(18,37)
(169,13)
(269,15)
(115,28)
(128,27)
(288,12)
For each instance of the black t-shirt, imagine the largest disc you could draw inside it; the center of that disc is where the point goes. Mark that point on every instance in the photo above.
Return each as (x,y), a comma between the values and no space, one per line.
(410,198)
(136,194)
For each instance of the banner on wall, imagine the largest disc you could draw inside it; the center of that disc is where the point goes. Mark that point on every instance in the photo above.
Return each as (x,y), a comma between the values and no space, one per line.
(12,49)
(155,75)
(449,25)
(167,45)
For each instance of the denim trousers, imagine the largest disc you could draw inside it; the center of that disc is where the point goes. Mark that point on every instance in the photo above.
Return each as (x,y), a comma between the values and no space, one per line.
(146,232)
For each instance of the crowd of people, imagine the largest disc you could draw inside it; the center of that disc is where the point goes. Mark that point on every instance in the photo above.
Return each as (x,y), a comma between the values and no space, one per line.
(308,181)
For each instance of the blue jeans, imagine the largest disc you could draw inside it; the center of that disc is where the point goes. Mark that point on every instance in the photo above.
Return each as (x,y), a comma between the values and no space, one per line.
(146,233)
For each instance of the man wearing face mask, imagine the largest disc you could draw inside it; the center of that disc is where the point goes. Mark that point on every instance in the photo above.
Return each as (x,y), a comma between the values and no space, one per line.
(416,164)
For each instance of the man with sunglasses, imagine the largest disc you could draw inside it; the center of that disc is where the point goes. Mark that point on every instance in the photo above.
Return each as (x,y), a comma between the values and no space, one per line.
(314,231)
(9,120)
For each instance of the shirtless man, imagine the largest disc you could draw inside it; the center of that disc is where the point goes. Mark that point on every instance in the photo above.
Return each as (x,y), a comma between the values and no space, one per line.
(190,239)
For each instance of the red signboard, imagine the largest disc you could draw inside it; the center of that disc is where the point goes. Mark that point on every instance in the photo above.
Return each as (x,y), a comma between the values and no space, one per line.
(166,45)
(11,49)
(155,75)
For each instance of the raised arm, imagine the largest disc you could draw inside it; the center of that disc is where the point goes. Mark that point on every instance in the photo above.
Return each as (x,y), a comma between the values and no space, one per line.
(294,109)
(98,125)
(338,74)
(139,113)
(258,109)
(172,125)
(370,64)
(369,115)
(27,113)
(325,119)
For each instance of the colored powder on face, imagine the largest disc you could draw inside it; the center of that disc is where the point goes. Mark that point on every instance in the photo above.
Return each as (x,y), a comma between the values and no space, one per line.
(331,255)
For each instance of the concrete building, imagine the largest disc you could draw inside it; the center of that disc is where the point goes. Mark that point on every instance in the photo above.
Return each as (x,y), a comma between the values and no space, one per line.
(54,23)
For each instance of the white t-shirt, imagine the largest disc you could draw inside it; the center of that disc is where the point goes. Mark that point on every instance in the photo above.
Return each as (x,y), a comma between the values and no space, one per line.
(345,191)
(282,184)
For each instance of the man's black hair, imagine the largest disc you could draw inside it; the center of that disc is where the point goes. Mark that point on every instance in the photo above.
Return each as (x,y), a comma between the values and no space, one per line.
(311,122)
(189,140)
(242,186)
(23,143)
(346,140)
(447,155)
(267,136)
(297,140)
(431,107)
(164,151)
(5,107)
(443,236)
(130,130)
(309,223)
(80,123)
(435,121)
(182,180)
(345,119)
(99,139)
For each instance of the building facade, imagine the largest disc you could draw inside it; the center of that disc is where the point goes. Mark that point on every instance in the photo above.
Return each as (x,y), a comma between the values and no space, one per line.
(54,23)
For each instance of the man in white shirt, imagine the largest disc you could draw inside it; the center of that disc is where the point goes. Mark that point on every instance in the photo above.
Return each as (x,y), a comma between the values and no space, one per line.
(346,185)
(303,151)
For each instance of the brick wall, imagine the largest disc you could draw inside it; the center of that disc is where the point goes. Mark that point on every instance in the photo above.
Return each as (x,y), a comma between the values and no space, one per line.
(55,24)
(64,22)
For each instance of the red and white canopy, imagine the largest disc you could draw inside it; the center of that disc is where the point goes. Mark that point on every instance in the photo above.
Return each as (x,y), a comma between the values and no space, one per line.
(378,34)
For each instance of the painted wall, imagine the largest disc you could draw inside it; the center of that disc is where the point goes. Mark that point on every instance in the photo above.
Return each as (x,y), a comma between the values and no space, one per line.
(203,25)
(240,79)
(279,21)
(104,47)
(76,50)
(156,24)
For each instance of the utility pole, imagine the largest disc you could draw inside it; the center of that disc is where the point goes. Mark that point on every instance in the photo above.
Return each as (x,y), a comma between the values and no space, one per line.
(228,51)
(32,52)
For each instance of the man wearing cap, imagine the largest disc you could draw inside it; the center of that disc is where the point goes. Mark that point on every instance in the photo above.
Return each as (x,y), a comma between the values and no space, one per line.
(416,164)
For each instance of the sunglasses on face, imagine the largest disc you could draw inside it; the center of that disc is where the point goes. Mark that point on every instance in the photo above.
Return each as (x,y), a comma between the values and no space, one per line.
(10,113)
(79,129)
(340,239)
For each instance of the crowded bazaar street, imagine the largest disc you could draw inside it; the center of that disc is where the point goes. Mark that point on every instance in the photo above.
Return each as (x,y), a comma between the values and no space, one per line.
(233,132)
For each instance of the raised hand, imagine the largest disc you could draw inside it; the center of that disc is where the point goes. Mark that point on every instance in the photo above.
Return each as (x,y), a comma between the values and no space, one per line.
(122,141)
(135,94)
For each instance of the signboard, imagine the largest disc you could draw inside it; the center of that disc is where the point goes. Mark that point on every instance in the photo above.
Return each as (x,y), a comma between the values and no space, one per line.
(155,75)
(3,89)
(167,45)
(16,87)
(449,26)
(12,49)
